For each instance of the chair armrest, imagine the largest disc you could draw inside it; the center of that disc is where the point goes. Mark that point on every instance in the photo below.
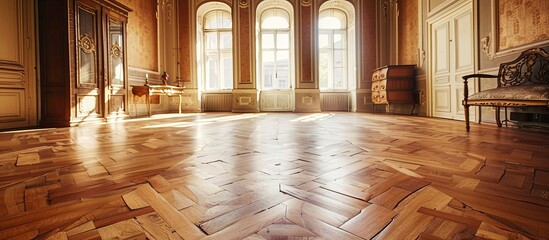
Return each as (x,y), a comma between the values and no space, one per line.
(478,75)
(466,88)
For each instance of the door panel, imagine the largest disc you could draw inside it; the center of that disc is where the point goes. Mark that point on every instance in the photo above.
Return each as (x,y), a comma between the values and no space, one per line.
(18,107)
(101,62)
(441,64)
(463,32)
(88,65)
(442,101)
(442,48)
(451,40)
(116,79)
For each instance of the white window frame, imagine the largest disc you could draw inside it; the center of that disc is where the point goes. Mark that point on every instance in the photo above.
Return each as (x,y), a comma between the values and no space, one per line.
(351,47)
(262,8)
(203,53)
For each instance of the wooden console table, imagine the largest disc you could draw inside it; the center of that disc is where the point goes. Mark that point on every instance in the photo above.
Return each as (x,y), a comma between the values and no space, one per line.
(149,90)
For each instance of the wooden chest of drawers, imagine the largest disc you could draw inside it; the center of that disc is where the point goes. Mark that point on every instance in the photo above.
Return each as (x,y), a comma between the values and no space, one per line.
(394,84)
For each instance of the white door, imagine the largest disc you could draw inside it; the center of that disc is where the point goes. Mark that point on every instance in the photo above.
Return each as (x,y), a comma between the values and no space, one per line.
(18,95)
(452,51)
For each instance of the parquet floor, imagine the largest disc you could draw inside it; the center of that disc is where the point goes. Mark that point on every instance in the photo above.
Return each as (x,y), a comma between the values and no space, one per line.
(275,176)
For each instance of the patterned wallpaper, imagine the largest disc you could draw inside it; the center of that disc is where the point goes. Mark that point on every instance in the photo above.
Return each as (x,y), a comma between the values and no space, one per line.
(408,30)
(185,38)
(142,34)
(245,45)
(521,22)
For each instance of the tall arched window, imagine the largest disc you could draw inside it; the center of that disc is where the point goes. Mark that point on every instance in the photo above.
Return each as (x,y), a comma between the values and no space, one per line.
(275,49)
(216,55)
(332,42)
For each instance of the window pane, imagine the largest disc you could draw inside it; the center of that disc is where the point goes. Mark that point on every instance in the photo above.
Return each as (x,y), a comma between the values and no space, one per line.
(211,41)
(324,68)
(116,54)
(283,41)
(332,19)
(324,40)
(211,72)
(283,69)
(226,40)
(329,23)
(217,20)
(267,41)
(87,49)
(339,78)
(339,58)
(275,23)
(275,19)
(339,40)
(268,61)
(211,21)
(226,22)
(227,68)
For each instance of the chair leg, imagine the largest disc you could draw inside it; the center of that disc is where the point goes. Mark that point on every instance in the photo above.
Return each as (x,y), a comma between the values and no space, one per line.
(466,117)
(498,117)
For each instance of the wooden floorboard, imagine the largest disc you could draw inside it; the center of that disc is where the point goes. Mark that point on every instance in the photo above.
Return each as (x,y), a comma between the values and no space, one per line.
(275,176)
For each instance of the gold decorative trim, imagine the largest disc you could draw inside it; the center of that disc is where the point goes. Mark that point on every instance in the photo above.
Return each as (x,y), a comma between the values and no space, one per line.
(306,3)
(116,51)
(243,3)
(486,47)
(86,43)
(385,11)
(169,10)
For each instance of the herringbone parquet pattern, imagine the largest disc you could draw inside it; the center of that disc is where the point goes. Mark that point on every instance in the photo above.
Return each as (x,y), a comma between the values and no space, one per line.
(275,176)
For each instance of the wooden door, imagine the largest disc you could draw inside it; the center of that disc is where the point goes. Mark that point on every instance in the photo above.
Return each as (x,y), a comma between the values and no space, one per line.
(451,43)
(18,97)
(115,65)
(89,85)
(101,68)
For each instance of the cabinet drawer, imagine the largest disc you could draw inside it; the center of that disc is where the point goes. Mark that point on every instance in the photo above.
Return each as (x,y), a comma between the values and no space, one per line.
(375,75)
(400,84)
(379,97)
(383,73)
(400,97)
(375,97)
(382,85)
(375,86)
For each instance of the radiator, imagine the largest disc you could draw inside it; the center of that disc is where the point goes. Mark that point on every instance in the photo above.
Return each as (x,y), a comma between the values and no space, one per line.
(334,102)
(221,102)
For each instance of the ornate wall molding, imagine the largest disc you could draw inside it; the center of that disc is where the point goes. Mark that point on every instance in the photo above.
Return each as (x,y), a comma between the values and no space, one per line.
(306,3)
(167,5)
(385,11)
(243,3)
(487,47)
(87,43)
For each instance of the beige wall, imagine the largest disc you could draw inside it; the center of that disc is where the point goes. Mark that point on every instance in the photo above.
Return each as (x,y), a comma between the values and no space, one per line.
(508,32)
(408,31)
(528,31)
(142,34)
